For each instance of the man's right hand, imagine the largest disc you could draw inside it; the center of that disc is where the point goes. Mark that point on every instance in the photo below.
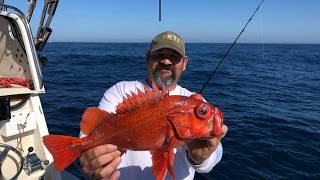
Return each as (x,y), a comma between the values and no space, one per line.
(101,162)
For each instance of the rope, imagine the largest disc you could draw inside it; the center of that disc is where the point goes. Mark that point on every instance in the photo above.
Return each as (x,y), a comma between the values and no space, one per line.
(14,82)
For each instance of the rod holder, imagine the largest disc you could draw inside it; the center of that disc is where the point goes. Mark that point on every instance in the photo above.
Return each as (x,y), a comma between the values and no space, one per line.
(32,5)
(44,38)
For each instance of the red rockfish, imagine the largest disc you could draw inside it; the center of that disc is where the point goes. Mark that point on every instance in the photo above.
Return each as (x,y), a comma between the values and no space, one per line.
(150,120)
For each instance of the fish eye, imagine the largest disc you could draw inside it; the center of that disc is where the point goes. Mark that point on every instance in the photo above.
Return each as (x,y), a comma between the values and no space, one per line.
(203,111)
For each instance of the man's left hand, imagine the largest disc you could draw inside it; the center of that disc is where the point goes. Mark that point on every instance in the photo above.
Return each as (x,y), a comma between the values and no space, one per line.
(200,150)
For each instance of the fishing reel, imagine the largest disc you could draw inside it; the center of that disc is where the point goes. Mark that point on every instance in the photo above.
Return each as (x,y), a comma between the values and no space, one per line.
(32,162)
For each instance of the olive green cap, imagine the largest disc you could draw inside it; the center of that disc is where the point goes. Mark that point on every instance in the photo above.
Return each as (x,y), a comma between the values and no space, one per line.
(169,40)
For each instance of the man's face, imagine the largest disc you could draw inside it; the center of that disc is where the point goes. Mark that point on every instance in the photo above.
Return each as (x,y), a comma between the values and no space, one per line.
(165,67)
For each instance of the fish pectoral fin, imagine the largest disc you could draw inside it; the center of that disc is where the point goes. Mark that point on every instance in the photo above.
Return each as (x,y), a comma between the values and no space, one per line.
(91,119)
(162,161)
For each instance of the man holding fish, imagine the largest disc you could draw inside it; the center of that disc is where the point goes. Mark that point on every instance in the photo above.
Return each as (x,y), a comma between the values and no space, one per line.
(166,61)
(146,129)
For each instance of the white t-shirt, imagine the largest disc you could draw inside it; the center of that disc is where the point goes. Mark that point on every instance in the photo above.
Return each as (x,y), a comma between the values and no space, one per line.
(138,164)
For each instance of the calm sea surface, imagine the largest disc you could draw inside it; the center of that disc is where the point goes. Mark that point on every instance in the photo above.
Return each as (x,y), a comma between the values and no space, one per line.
(269,93)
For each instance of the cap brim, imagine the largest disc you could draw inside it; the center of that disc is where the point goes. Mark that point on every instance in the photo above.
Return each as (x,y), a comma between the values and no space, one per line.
(161,46)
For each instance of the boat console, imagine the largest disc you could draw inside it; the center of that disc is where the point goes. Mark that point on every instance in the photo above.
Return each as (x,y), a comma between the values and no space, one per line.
(22,120)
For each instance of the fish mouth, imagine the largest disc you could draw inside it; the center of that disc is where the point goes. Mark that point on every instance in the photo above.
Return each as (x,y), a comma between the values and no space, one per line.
(215,126)
(211,127)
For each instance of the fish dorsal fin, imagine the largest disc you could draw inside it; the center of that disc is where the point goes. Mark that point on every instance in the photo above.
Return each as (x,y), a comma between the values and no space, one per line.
(91,118)
(139,99)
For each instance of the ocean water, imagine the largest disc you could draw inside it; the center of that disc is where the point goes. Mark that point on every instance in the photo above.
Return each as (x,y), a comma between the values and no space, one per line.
(269,93)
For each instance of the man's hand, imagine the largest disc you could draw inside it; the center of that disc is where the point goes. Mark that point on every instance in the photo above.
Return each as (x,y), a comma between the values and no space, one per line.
(200,150)
(101,162)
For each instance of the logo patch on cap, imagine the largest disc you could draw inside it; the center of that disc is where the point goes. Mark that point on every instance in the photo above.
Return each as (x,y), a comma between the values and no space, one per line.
(171,37)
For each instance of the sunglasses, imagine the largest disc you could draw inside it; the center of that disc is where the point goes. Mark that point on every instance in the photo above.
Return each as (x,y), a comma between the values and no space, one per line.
(175,58)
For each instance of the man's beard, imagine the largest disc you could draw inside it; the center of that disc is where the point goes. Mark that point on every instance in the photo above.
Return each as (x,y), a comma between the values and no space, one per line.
(163,81)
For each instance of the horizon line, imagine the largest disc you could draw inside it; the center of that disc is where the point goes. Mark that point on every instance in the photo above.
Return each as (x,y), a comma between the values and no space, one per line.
(118,42)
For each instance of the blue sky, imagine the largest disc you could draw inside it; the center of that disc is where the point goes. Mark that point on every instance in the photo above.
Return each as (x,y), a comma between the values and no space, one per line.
(278,21)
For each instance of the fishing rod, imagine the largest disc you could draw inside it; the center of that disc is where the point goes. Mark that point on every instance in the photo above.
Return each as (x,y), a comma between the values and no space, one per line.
(227,53)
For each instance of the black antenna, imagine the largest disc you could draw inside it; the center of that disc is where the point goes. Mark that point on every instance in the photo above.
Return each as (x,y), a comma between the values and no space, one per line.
(235,41)
(159,10)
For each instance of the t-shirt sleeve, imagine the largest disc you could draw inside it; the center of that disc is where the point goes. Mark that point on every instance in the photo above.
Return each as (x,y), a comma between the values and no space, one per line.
(111,98)
(209,163)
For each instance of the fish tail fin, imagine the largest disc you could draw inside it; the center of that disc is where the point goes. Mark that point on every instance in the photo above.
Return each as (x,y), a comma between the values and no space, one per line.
(162,161)
(62,149)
